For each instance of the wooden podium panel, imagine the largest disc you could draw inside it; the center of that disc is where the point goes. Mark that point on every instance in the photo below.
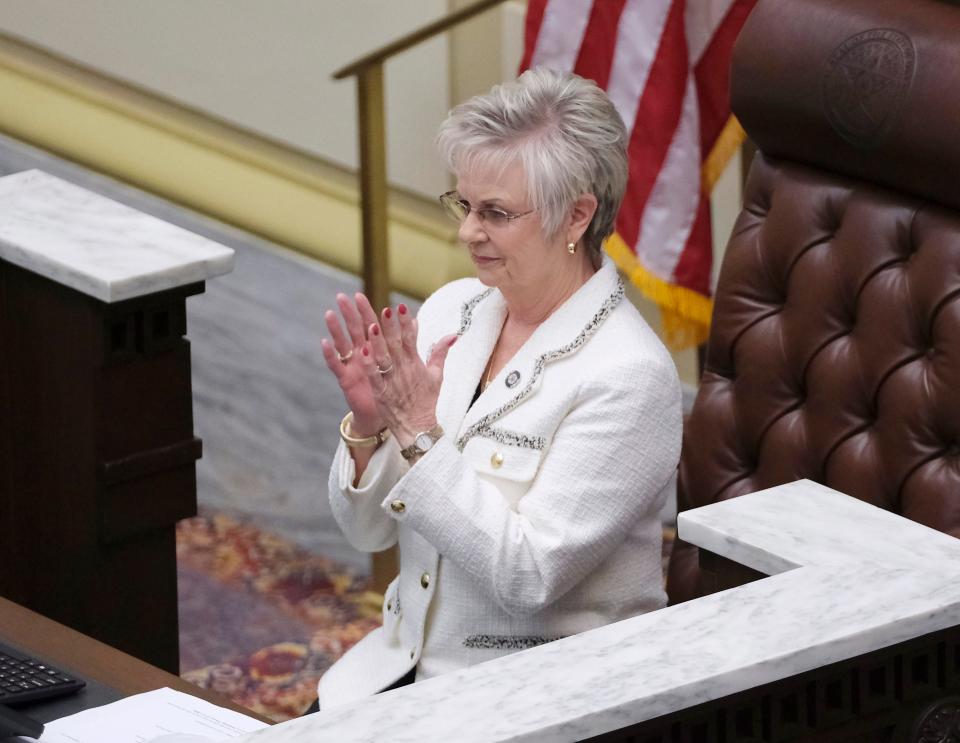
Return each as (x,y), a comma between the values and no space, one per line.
(97,458)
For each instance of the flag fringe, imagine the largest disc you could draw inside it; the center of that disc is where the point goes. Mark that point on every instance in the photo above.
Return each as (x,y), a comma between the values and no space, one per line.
(727,144)
(684,312)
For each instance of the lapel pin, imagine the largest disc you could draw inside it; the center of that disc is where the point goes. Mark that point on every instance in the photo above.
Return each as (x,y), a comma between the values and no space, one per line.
(512,379)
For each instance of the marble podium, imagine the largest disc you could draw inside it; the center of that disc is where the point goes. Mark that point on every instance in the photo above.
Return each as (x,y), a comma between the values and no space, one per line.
(852,637)
(97,452)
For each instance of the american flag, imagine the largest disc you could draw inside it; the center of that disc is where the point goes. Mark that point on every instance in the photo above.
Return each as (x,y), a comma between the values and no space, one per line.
(665,65)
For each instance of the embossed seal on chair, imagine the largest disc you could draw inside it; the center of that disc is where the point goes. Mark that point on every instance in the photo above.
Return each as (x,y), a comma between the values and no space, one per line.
(866,83)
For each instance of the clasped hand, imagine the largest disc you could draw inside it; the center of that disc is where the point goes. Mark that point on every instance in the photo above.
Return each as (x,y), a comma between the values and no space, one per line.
(384,381)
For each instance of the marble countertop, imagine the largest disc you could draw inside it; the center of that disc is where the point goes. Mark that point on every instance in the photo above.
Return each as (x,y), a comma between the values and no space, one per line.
(835,563)
(96,245)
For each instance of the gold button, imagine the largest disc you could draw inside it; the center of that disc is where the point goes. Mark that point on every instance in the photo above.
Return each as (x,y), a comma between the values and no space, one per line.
(398,506)
(496,460)
(425,580)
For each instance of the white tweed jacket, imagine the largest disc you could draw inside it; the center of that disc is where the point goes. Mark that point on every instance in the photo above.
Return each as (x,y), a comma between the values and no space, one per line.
(536,514)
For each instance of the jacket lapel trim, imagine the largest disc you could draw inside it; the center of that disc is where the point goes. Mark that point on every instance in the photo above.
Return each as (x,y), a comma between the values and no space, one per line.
(503,436)
(483,428)
(480,321)
(466,312)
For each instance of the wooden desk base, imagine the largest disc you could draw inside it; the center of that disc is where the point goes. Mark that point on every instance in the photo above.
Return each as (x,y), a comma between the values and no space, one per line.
(91,659)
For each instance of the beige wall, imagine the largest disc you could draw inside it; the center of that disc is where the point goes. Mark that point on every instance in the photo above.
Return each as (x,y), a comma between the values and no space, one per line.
(265,66)
(483,50)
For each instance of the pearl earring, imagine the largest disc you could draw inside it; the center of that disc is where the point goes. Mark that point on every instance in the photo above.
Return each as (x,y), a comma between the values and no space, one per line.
(571,248)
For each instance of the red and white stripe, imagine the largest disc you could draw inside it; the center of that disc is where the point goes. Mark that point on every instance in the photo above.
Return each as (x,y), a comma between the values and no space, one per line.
(664,64)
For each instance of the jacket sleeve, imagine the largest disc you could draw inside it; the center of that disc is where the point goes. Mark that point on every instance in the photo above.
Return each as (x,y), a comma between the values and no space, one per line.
(609,459)
(357,509)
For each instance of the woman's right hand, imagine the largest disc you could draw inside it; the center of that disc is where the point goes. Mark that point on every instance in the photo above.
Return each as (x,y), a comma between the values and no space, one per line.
(342,357)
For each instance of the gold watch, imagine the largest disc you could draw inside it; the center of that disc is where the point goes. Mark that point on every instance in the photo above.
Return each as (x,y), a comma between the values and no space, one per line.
(422,443)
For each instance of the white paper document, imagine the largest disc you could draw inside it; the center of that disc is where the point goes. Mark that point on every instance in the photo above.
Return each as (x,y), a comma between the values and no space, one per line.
(146,717)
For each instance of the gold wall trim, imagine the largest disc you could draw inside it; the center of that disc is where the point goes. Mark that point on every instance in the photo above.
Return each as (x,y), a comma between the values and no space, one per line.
(212,166)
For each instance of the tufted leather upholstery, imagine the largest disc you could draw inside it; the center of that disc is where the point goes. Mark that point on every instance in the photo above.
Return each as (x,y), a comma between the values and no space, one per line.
(835,347)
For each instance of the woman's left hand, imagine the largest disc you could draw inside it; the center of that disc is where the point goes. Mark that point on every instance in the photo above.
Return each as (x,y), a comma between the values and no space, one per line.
(405,389)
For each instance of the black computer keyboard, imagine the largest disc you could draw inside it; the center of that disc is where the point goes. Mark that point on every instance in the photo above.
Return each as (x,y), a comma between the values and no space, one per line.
(27,679)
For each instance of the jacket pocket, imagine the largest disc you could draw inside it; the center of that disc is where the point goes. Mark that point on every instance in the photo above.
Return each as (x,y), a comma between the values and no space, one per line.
(498,460)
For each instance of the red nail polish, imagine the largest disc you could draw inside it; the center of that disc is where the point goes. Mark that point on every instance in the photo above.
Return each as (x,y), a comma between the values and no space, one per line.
(376,330)
(366,351)
(388,313)
(403,309)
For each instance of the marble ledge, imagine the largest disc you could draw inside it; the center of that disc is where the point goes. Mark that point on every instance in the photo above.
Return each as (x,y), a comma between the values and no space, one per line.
(805,523)
(829,607)
(98,246)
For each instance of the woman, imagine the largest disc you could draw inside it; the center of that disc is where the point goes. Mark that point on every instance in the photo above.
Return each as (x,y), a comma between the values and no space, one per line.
(522,465)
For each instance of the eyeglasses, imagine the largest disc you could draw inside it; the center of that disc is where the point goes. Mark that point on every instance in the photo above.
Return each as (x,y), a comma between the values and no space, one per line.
(458,210)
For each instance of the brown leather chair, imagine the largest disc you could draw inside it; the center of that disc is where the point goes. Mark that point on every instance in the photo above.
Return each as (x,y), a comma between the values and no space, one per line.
(834,353)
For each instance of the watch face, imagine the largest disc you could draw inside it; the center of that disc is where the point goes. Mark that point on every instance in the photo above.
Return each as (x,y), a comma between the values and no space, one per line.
(423,441)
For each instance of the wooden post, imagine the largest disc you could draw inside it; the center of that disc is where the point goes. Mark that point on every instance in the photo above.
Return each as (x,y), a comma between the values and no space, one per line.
(373,219)
(373,185)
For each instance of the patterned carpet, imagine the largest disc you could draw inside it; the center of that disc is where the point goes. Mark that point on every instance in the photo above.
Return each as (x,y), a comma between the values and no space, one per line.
(261,619)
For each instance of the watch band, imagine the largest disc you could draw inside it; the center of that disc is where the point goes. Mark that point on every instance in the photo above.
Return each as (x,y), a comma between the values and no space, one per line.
(415,450)
(360,442)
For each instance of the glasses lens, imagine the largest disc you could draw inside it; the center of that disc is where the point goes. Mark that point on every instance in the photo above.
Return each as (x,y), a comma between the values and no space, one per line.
(453,207)
(493,217)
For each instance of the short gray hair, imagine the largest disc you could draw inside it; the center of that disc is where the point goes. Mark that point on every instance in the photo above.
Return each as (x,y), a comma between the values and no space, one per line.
(563,130)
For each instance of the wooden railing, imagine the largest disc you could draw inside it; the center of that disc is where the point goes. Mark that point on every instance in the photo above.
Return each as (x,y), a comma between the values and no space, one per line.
(373,184)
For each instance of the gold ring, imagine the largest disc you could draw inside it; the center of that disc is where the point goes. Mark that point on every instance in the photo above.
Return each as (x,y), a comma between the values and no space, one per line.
(387,369)
(344,358)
